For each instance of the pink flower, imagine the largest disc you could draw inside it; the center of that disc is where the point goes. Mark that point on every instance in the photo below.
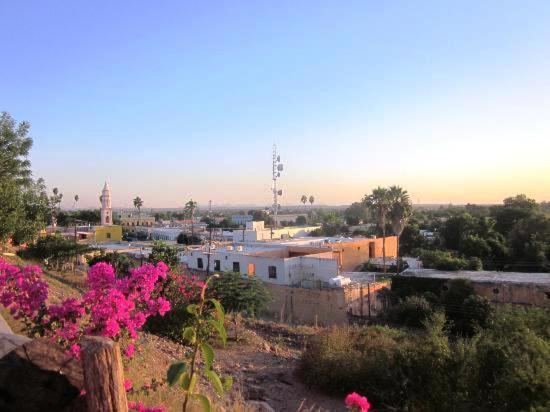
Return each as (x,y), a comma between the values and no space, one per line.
(129,351)
(139,407)
(357,403)
(128,384)
(74,350)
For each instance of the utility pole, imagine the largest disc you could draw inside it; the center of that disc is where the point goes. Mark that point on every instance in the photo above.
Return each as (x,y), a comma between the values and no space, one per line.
(209,249)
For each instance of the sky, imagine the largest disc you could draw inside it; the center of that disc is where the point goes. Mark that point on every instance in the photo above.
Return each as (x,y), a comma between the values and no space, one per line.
(173,100)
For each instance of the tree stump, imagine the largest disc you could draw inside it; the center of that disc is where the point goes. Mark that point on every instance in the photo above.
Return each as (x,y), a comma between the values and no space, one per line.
(103,375)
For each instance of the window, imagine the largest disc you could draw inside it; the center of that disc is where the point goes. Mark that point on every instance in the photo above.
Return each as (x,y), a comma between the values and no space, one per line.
(272,272)
(236,267)
(199,263)
(107,219)
(108,235)
(217,265)
(251,269)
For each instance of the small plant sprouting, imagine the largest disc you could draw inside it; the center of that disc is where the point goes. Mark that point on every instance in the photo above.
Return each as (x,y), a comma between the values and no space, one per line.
(208,318)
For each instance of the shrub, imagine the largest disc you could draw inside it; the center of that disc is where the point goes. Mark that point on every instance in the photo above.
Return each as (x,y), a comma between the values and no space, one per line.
(505,367)
(121,263)
(413,311)
(181,290)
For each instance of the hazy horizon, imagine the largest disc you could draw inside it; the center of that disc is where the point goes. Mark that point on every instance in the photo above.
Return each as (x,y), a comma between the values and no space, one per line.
(173,101)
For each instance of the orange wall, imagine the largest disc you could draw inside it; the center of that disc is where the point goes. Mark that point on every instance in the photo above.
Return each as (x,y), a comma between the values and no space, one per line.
(352,254)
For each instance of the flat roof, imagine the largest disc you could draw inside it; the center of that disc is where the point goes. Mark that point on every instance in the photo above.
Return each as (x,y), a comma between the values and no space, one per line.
(482,276)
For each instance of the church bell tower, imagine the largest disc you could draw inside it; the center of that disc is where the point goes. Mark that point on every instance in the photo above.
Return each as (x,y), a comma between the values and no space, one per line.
(106,211)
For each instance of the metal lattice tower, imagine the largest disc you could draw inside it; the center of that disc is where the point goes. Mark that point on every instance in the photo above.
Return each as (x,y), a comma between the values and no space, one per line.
(277,169)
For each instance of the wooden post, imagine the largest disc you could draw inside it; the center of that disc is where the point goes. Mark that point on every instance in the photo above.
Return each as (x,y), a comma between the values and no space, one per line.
(103,375)
(361,297)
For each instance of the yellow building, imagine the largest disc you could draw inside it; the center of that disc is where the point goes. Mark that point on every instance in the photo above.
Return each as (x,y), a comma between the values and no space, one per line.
(107,233)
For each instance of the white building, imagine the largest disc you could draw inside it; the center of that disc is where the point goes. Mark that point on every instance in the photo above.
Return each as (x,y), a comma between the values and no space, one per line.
(256,231)
(165,233)
(279,263)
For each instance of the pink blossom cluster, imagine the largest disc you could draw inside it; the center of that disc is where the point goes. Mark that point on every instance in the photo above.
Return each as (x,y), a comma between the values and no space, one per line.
(22,290)
(114,308)
(139,407)
(357,403)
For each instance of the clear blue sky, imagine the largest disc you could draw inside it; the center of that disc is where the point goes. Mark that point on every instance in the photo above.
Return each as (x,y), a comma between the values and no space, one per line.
(172,100)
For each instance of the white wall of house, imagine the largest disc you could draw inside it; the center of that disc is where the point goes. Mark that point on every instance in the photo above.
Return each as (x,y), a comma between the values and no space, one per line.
(287,271)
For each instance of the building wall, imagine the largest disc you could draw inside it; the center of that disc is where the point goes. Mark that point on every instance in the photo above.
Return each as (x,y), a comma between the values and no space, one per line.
(325,307)
(516,293)
(137,221)
(352,254)
(108,233)
(289,271)
(266,234)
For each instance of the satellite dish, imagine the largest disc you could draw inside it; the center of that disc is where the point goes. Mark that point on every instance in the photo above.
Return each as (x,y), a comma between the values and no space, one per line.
(278,174)
(280,167)
(279,192)
(278,158)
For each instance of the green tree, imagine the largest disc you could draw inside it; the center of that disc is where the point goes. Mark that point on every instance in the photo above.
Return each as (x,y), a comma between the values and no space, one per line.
(24,207)
(189,210)
(356,213)
(14,150)
(400,212)
(301,220)
(162,252)
(55,205)
(55,250)
(138,203)
(379,203)
(241,295)
(512,211)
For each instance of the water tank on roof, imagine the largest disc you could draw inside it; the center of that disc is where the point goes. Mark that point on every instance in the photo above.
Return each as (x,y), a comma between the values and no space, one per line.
(239,248)
(230,248)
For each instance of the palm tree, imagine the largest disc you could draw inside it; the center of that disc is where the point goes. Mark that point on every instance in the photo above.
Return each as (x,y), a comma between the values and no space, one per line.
(137,204)
(189,210)
(379,203)
(76,199)
(311,200)
(400,211)
(303,199)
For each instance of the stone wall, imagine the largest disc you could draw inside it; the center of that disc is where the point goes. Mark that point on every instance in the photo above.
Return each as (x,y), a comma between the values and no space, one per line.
(327,306)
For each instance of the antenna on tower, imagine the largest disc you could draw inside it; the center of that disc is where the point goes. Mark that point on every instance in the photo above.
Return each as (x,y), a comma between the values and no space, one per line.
(277,169)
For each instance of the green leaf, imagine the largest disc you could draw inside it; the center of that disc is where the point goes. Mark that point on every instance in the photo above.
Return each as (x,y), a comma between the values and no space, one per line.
(192,309)
(175,371)
(204,401)
(215,381)
(227,382)
(189,334)
(216,324)
(207,354)
(220,314)
(189,384)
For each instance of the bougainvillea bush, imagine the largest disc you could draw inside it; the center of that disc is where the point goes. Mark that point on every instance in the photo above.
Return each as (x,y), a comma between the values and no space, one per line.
(112,307)
(181,290)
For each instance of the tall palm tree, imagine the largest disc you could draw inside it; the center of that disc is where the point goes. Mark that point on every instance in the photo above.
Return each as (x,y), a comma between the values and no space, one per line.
(303,199)
(311,200)
(189,210)
(379,203)
(400,211)
(76,199)
(137,204)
